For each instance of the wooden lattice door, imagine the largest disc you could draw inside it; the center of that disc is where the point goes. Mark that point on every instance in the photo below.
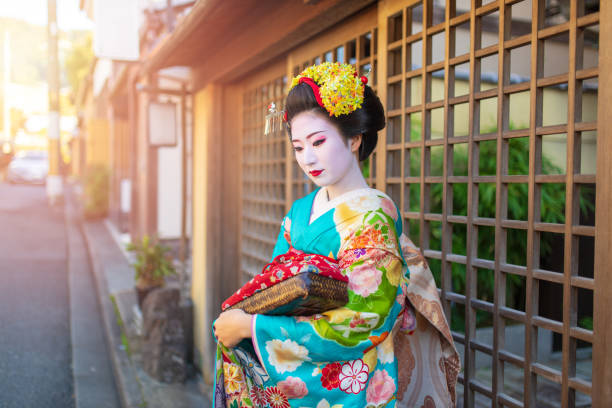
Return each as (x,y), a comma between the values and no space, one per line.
(263,176)
(490,151)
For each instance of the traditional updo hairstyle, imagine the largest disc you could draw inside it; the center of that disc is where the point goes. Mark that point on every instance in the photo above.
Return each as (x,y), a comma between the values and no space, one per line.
(367,120)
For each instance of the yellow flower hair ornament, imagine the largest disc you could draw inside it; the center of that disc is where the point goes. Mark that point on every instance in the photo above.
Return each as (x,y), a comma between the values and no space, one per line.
(337,87)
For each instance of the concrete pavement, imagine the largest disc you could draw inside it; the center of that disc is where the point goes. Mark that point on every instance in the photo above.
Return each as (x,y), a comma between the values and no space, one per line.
(94,385)
(114,281)
(52,347)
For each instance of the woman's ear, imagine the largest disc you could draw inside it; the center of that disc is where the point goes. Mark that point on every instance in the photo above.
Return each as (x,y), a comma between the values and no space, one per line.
(356,143)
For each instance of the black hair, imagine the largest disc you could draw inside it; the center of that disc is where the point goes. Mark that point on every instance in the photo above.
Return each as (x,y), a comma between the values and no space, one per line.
(367,120)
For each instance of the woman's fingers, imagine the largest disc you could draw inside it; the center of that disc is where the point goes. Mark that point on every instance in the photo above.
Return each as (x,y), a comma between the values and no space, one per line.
(228,327)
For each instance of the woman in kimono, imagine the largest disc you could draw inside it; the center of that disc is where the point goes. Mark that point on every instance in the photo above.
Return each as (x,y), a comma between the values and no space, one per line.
(390,345)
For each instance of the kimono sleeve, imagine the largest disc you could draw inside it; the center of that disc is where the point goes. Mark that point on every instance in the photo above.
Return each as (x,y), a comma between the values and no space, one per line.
(283,241)
(374,269)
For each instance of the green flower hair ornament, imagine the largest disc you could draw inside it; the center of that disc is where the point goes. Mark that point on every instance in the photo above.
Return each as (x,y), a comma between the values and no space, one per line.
(337,87)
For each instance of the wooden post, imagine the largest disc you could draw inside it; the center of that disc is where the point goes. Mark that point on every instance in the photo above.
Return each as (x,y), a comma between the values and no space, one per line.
(132,113)
(6,129)
(183,240)
(54,179)
(602,318)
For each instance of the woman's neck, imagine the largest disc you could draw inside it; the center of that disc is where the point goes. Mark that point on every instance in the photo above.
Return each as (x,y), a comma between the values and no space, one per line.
(352,180)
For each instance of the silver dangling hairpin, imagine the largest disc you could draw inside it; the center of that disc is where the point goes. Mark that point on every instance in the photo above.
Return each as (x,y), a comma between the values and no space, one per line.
(274,120)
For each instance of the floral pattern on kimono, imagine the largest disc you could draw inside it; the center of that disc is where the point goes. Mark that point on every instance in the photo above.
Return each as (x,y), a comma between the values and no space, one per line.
(344,357)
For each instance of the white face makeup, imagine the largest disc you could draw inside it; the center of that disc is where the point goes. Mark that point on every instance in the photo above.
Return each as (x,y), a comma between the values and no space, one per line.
(320,150)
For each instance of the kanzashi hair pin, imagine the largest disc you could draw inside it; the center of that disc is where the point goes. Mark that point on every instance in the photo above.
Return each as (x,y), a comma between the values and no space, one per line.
(274,119)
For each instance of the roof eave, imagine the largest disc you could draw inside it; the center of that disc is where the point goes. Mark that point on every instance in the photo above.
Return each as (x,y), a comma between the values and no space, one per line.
(198,15)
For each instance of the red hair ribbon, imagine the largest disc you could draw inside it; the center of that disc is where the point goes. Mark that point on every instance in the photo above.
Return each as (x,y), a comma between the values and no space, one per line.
(315,90)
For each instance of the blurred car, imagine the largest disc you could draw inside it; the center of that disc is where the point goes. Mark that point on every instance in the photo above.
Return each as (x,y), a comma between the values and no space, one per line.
(28,167)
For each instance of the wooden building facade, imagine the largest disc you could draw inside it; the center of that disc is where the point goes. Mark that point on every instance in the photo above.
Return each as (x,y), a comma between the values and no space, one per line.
(514,218)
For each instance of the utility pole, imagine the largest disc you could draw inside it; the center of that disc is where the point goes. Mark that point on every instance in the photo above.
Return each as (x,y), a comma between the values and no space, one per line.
(5,84)
(54,179)
(170,17)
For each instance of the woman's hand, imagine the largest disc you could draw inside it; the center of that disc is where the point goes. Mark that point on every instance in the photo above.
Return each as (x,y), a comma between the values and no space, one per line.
(232,326)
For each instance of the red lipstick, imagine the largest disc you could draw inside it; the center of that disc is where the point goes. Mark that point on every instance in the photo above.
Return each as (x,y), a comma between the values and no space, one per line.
(315,173)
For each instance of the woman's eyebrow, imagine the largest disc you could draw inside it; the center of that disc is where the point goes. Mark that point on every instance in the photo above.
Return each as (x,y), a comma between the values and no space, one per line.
(312,134)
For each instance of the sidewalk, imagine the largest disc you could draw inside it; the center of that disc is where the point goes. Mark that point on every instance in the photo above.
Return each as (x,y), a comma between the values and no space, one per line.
(114,281)
(94,382)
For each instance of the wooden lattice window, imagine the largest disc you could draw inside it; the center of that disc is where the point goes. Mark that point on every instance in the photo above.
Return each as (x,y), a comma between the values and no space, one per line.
(267,160)
(361,53)
(490,151)
(263,177)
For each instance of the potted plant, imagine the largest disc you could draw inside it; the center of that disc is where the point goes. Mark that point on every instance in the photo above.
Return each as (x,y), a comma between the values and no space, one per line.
(96,189)
(153,264)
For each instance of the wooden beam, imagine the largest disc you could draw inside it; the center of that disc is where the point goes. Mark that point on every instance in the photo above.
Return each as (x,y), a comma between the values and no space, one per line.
(244,45)
(167,47)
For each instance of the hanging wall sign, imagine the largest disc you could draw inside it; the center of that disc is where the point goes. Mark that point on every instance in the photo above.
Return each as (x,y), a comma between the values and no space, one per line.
(162,124)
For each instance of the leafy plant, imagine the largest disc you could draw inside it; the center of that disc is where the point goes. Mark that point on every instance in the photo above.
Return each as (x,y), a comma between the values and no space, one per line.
(365,167)
(586,322)
(96,190)
(552,206)
(78,61)
(121,325)
(153,261)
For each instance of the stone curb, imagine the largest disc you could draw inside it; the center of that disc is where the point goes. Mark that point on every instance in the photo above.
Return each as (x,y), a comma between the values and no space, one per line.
(128,386)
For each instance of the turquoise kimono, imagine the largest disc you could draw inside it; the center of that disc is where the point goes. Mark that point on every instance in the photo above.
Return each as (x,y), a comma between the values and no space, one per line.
(344,357)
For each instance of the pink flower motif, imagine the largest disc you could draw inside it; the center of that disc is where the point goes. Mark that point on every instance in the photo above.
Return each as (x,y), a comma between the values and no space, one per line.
(287,224)
(293,387)
(355,322)
(353,376)
(401,297)
(364,280)
(389,208)
(381,388)
(311,318)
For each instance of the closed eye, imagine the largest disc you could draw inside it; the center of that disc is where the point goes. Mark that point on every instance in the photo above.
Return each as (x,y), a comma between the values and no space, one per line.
(319,142)
(297,148)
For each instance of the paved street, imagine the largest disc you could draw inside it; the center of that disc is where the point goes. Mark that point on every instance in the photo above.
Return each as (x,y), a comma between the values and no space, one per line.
(36,355)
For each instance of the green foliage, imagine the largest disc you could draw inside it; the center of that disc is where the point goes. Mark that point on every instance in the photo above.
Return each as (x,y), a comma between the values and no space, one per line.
(96,190)
(586,322)
(552,205)
(78,61)
(29,45)
(124,339)
(28,56)
(153,261)
(365,167)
